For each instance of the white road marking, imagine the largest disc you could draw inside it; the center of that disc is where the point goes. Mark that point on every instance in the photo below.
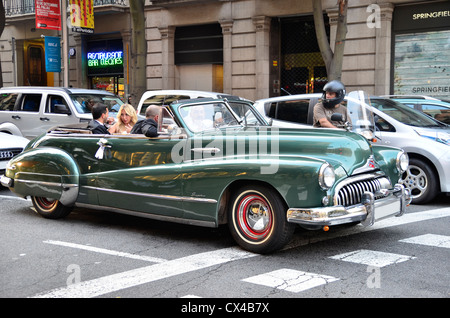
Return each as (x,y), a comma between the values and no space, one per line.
(290,280)
(106,251)
(13,197)
(111,283)
(372,258)
(429,240)
(319,236)
(139,276)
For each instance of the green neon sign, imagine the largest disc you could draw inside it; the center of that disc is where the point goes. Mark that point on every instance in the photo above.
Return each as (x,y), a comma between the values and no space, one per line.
(102,59)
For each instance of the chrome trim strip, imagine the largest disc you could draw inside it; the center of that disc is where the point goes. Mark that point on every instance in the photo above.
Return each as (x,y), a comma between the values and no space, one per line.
(46,183)
(367,166)
(149,215)
(155,196)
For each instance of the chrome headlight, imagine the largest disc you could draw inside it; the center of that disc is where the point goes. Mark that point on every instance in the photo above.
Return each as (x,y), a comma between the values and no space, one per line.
(402,161)
(326,176)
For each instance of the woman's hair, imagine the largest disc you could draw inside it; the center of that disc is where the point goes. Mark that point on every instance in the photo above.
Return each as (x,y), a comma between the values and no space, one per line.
(127,109)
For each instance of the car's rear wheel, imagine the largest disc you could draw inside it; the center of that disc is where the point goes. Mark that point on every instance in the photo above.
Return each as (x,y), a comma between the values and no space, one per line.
(50,208)
(257,220)
(421,180)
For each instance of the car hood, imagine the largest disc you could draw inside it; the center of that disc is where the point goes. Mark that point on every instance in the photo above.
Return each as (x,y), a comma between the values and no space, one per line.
(340,148)
(12,141)
(437,134)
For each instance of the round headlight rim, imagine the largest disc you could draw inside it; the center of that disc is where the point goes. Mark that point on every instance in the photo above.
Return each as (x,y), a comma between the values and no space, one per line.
(324,179)
(402,161)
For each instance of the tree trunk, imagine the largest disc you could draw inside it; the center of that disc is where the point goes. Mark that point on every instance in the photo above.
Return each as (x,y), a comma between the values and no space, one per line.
(333,60)
(2,27)
(138,56)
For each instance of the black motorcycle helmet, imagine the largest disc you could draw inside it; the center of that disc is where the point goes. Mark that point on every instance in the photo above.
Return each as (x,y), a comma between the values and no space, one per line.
(334,87)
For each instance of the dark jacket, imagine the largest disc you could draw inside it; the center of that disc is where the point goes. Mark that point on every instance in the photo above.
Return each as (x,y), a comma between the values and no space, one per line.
(98,128)
(148,127)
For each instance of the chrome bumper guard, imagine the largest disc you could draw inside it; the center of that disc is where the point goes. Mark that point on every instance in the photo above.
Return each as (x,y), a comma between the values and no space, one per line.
(5,181)
(392,203)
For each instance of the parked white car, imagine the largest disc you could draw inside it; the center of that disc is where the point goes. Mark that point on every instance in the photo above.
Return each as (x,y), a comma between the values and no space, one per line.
(426,141)
(10,146)
(439,109)
(29,111)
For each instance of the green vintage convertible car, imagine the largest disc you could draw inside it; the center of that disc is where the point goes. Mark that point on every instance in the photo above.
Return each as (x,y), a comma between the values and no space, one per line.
(215,161)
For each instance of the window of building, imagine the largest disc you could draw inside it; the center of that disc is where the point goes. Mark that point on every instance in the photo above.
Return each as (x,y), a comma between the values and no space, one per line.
(199,44)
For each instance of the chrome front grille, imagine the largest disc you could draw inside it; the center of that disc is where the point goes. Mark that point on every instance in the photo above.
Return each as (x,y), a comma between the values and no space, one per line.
(351,193)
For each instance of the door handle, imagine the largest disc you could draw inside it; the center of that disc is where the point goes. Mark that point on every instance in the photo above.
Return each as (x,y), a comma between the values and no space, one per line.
(44,119)
(15,117)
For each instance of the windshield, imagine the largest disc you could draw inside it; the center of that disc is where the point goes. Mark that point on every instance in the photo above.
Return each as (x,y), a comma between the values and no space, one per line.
(84,102)
(218,115)
(403,113)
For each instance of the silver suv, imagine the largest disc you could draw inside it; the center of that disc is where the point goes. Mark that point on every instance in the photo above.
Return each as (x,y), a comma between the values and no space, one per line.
(29,111)
(425,140)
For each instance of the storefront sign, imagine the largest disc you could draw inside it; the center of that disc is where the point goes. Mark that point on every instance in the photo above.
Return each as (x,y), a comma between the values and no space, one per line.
(421,64)
(417,17)
(103,59)
(421,36)
(82,16)
(52,54)
(48,14)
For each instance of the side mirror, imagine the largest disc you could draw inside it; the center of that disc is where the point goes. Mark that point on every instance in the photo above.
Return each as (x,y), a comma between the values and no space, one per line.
(61,109)
(337,117)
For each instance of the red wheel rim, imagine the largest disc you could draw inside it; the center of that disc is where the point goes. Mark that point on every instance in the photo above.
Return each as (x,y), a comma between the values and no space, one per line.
(254,216)
(45,203)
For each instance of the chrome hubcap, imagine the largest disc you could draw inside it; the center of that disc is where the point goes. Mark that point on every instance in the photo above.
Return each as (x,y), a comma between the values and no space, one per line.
(255,217)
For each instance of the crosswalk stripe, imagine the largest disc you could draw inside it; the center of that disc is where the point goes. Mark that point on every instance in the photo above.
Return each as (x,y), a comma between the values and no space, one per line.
(429,240)
(372,258)
(135,277)
(106,251)
(290,280)
(165,269)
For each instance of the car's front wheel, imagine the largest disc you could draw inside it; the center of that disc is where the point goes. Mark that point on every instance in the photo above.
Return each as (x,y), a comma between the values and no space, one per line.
(50,208)
(257,220)
(421,180)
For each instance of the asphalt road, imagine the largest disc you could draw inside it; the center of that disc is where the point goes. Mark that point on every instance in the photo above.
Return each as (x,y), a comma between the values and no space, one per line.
(100,254)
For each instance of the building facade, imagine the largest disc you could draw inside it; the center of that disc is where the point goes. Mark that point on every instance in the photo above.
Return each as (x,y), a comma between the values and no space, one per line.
(251,48)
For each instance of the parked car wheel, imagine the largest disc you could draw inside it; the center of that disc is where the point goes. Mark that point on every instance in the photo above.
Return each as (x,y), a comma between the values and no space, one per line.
(421,180)
(50,208)
(257,220)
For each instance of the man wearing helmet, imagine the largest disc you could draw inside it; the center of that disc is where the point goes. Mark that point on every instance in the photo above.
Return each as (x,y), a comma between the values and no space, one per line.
(333,95)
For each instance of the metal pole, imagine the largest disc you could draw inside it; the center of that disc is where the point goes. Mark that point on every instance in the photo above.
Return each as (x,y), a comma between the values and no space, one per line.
(65,41)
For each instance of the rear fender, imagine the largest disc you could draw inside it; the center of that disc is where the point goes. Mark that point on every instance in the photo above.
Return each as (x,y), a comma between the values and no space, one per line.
(45,172)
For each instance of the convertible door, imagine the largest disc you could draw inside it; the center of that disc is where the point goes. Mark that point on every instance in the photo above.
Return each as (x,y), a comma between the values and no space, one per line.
(138,174)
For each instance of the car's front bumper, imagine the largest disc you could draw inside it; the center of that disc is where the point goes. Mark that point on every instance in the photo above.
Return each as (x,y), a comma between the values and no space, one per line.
(392,203)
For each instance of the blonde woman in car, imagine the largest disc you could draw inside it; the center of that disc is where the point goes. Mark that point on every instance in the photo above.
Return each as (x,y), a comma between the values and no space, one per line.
(126,118)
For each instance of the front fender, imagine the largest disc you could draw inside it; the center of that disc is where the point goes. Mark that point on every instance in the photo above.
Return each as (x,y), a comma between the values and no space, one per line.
(45,172)
(386,157)
(10,128)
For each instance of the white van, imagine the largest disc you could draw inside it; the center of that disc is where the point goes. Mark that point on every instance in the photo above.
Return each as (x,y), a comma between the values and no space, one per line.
(29,111)
(165,97)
